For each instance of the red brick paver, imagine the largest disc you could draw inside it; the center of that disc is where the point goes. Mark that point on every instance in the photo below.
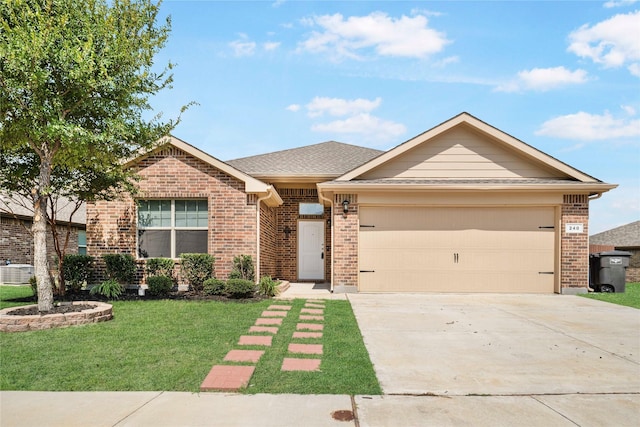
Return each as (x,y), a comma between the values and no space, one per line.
(255,340)
(307,335)
(312,305)
(244,356)
(305,348)
(269,329)
(279,307)
(292,364)
(274,313)
(307,317)
(310,326)
(226,377)
(312,311)
(268,321)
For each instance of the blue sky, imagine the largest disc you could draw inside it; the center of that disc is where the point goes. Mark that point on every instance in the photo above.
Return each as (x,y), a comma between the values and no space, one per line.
(563,76)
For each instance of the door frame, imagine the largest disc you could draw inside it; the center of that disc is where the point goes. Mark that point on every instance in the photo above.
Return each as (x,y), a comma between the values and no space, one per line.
(323,237)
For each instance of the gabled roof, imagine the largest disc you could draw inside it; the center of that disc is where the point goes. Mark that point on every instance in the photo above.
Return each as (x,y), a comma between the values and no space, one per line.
(624,236)
(14,205)
(326,160)
(560,176)
(252,185)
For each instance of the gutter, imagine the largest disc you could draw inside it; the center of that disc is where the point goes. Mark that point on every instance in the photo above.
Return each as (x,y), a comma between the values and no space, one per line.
(322,198)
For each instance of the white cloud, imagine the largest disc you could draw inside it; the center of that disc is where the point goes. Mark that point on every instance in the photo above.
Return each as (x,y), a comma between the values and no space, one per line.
(346,38)
(619,3)
(634,69)
(243,46)
(278,3)
(590,127)
(363,124)
(271,45)
(294,107)
(543,79)
(341,107)
(612,43)
(629,110)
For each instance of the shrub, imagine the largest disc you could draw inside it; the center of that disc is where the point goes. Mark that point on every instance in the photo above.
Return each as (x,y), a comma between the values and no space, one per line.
(243,268)
(214,287)
(160,267)
(196,268)
(240,288)
(120,267)
(34,285)
(159,285)
(76,270)
(268,287)
(110,289)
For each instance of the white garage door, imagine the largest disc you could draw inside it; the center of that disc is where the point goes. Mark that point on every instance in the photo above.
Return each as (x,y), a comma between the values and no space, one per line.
(483,249)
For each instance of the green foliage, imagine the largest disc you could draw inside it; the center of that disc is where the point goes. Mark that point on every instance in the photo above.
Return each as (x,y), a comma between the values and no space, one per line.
(77,271)
(268,287)
(243,268)
(214,287)
(34,285)
(196,268)
(109,289)
(120,267)
(160,267)
(76,81)
(240,288)
(159,286)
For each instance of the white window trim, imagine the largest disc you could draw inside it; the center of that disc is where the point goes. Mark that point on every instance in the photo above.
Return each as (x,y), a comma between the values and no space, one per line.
(171,228)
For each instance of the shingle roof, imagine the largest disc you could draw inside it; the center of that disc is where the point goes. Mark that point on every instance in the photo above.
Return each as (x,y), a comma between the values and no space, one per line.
(623,236)
(21,207)
(324,159)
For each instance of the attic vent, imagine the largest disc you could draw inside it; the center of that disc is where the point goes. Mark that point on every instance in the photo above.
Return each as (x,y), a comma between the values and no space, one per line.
(575,198)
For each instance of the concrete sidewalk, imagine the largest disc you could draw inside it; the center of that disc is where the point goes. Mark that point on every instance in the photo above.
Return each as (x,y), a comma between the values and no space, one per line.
(159,409)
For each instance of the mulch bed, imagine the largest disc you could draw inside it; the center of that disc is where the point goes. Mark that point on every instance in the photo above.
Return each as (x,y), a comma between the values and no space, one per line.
(57,309)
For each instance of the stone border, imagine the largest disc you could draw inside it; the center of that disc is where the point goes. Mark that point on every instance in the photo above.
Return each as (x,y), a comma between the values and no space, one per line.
(13,323)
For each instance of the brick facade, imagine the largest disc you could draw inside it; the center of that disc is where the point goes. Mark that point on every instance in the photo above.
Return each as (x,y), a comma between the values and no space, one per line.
(345,251)
(574,247)
(16,241)
(173,174)
(287,231)
(268,242)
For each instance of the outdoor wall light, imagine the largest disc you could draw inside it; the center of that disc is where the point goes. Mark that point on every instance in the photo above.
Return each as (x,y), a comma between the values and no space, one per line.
(287,230)
(345,206)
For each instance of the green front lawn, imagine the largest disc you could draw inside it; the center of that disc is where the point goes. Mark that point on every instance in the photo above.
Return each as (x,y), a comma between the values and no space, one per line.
(8,293)
(631,296)
(171,345)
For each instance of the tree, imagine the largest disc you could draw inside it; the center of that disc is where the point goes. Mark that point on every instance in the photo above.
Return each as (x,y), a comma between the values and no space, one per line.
(75,82)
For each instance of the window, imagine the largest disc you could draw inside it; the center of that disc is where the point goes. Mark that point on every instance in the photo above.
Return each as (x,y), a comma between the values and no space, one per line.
(82,242)
(168,228)
(310,209)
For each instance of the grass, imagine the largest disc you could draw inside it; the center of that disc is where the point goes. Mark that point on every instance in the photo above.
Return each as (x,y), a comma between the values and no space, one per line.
(8,293)
(170,345)
(630,298)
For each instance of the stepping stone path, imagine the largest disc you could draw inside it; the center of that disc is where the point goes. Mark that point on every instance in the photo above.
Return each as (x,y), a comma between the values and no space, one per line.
(228,377)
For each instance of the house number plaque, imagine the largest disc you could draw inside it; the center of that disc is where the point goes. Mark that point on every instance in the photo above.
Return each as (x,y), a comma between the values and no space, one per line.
(574,228)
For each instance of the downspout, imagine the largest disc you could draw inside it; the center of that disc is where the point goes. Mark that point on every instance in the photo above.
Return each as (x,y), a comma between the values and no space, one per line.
(332,234)
(260,199)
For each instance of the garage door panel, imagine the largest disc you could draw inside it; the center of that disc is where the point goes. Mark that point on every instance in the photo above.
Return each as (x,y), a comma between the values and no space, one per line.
(420,249)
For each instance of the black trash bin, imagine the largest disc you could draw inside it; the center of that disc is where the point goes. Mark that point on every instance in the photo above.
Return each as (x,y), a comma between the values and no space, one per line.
(608,270)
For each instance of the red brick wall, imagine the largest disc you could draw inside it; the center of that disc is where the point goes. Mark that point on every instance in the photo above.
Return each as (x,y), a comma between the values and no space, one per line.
(575,247)
(345,241)
(174,174)
(268,245)
(287,216)
(16,242)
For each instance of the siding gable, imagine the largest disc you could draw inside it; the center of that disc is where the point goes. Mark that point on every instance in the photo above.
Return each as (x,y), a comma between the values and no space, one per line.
(462,153)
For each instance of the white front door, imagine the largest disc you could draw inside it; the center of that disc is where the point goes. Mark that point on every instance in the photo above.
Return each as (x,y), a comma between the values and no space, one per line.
(311,250)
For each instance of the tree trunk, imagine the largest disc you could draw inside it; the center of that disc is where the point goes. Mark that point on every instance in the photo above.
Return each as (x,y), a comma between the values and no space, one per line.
(40,261)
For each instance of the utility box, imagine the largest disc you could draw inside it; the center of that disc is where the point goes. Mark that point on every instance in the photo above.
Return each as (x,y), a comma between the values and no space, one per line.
(15,274)
(607,270)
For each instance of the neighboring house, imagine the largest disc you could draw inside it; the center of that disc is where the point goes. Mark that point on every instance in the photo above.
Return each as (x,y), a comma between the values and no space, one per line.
(623,238)
(16,220)
(463,207)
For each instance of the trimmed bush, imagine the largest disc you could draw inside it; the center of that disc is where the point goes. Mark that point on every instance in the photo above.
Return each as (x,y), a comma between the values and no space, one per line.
(76,270)
(214,287)
(268,287)
(243,268)
(240,288)
(120,267)
(160,267)
(110,289)
(196,268)
(34,285)
(159,285)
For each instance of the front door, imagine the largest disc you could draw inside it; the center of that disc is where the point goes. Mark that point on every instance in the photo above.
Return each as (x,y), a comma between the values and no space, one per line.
(311,250)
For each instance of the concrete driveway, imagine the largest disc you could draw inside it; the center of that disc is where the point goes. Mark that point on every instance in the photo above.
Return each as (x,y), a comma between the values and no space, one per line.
(460,345)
